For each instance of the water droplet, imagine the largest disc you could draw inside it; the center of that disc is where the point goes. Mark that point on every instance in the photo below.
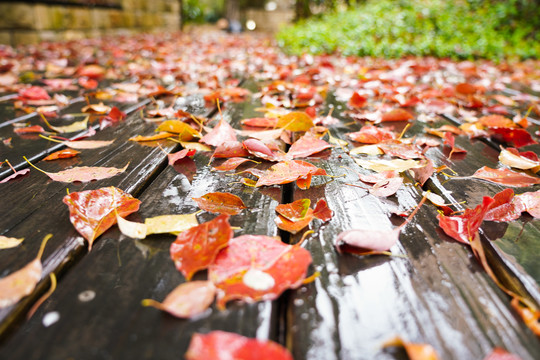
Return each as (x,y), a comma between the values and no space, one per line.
(87,296)
(50,318)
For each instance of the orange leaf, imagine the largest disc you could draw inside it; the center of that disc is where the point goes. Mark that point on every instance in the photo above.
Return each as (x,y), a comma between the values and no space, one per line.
(221,203)
(62,154)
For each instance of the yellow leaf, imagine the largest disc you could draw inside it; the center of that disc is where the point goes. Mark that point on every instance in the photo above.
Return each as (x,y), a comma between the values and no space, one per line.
(131,229)
(170,223)
(184,131)
(367,149)
(8,243)
(195,146)
(295,121)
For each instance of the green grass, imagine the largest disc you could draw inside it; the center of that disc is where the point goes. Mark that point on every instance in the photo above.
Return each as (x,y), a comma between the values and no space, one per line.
(384,28)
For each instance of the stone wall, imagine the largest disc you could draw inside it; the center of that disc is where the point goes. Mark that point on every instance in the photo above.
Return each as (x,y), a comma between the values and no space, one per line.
(27,22)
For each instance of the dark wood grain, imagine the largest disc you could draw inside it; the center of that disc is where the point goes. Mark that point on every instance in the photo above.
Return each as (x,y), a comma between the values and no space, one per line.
(122,271)
(438,294)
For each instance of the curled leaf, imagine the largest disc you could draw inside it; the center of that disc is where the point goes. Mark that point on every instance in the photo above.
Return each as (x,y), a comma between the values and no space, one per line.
(62,154)
(184,131)
(294,226)
(322,211)
(513,158)
(186,300)
(179,155)
(173,224)
(9,242)
(294,211)
(505,177)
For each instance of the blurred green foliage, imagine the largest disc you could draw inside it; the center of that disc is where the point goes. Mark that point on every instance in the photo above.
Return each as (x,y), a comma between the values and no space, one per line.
(202,11)
(460,29)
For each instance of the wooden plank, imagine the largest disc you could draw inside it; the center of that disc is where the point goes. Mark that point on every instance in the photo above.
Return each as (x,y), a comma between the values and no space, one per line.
(438,294)
(38,207)
(121,272)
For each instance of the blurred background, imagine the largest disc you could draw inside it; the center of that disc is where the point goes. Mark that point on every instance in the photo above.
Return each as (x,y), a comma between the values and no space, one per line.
(492,29)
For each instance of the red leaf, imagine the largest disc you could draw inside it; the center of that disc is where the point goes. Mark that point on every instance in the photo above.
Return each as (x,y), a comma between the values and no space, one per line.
(230,149)
(397,115)
(529,202)
(357,100)
(87,83)
(179,155)
(505,177)
(501,354)
(220,345)
(29,130)
(220,134)
(259,149)
(34,93)
(92,212)
(463,228)
(114,116)
(370,134)
(62,154)
(450,141)
(231,164)
(466,89)
(307,145)
(196,248)
(222,203)
(322,211)
(257,267)
(422,174)
(288,171)
(518,137)
(186,300)
(261,122)
(503,208)
(16,174)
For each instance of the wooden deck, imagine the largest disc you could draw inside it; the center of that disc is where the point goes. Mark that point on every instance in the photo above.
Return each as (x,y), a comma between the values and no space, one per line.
(433,292)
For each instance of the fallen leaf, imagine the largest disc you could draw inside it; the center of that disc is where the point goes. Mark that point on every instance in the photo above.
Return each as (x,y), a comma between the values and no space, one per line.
(179,155)
(503,208)
(464,228)
(257,267)
(501,354)
(294,211)
(232,164)
(387,187)
(16,174)
(380,165)
(160,136)
(92,212)
(9,242)
(196,248)
(505,177)
(307,145)
(322,211)
(131,229)
(367,150)
(76,126)
(220,345)
(397,115)
(357,100)
(517,137)
(230,149)
(173,224)
(294,226)
(22,282)
(62,154)
(288,171)
(183,130)
(96,109)
(450,141)
(33,93)
(257,148)
(370,134)
(220,134)
(398,149)
(261,122)
(529,202)
(221,203)
(82,173)
(513,158)
(29,130)
(295,121)
(195,146)
(186,300)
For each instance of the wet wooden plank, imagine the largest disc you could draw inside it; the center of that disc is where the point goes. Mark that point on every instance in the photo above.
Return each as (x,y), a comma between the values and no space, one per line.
(38,209)
(438,294)
(121,272)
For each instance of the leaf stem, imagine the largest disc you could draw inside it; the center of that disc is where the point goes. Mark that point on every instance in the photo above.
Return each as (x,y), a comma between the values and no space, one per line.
(42,246)
(34,166)
(45,296)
